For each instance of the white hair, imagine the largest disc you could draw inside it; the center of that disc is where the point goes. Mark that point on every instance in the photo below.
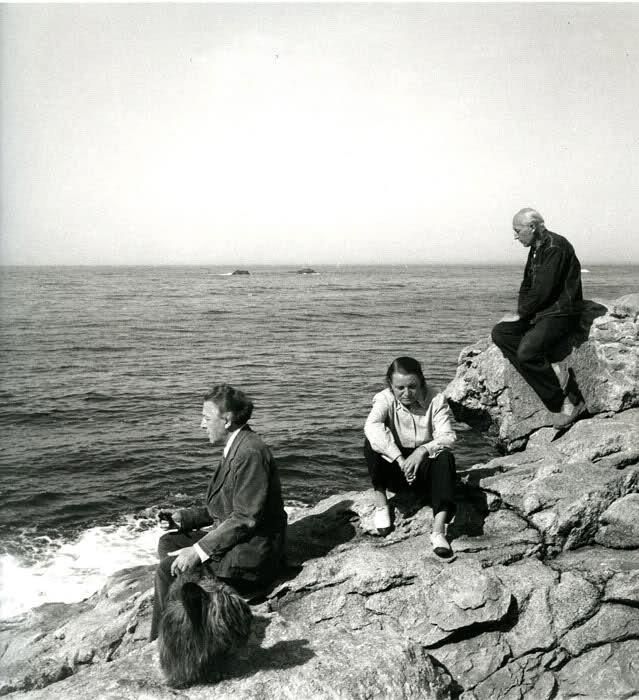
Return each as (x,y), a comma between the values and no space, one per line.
(531,216)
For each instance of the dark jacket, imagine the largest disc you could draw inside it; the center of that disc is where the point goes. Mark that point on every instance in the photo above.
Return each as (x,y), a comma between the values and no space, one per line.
(552,279)
(244,499)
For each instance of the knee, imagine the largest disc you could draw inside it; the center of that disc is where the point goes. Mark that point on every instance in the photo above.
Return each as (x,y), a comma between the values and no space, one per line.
(165,545)
(445,461)
(526,352)
(496,335)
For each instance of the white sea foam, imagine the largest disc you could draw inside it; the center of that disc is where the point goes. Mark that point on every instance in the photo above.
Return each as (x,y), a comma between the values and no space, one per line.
(71,571)
(68,572)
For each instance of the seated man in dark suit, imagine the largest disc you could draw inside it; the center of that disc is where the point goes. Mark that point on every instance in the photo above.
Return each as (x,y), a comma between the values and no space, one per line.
(549,304)
(243,500)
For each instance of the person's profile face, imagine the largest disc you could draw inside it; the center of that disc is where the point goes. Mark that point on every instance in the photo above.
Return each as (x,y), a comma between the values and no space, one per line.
(406,388)
(213,422)
(524,232)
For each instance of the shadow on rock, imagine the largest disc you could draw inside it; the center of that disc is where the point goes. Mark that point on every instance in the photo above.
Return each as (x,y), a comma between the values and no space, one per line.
(316,535)
(281,655)
(472,510)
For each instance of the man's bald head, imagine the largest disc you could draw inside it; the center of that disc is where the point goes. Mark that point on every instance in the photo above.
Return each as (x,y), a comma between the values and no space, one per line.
(528,224)
(528,216)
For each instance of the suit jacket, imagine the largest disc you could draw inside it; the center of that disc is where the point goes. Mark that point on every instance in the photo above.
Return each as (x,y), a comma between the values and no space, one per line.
(244,498)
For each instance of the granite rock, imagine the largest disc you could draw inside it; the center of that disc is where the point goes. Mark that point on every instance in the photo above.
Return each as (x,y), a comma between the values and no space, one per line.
(619,523)
(603,355)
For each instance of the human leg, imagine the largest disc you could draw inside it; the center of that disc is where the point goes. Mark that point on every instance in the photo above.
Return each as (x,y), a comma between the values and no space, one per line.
(169,542)
(533,353)
(383,475)
(507,335)
(436,479)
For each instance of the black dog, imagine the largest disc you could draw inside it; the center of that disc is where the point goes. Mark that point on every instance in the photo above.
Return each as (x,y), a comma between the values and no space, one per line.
(204,623)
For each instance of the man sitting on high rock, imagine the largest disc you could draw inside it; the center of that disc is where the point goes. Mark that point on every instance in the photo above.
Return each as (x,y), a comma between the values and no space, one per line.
(550,301)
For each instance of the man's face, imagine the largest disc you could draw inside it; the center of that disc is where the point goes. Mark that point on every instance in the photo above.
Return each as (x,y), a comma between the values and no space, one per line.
(524,232)
(213,422)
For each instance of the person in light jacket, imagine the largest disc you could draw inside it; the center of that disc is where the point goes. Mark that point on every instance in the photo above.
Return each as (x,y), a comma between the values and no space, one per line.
(246,546)
(409,434)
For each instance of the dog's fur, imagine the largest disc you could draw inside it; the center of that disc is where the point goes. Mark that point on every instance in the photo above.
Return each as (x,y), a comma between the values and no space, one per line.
(203,624)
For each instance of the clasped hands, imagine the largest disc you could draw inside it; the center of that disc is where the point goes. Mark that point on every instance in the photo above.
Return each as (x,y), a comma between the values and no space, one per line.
(409,465)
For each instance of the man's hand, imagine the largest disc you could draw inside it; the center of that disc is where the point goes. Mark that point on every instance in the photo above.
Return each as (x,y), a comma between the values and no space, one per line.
(170,521)
(186,559)
(509,318)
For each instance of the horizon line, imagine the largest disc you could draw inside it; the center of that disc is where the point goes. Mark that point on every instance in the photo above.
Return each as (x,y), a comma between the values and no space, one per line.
(243,266)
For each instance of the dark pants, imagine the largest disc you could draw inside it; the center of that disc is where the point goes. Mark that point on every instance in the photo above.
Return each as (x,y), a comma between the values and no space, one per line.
(528,346)
(435,479)
(169,542)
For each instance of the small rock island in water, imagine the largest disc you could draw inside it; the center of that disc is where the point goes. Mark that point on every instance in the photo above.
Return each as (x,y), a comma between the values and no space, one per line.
(541,600)
(240,272)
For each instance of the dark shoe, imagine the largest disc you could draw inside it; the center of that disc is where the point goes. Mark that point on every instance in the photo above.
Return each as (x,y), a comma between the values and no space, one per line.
(564,420)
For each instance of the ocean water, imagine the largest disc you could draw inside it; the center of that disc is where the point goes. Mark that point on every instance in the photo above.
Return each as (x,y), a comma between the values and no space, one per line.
(103,369)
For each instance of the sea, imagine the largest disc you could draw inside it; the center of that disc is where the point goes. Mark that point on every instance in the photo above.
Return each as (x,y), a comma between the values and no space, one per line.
(102,372)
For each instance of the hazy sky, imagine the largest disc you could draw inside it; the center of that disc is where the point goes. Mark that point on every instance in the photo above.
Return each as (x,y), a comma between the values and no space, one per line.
(316,133)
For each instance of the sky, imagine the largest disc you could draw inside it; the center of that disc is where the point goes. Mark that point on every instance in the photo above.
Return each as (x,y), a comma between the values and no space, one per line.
(316,133)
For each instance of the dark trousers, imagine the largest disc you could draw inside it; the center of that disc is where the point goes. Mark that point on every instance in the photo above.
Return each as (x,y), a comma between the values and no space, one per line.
(527,346)
(169,542)
(435,479)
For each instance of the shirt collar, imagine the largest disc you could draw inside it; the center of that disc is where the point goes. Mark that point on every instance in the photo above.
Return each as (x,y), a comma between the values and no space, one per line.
(229,442)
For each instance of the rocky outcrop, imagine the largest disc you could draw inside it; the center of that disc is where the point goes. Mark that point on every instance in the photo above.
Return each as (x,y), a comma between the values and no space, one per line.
(490,395)
(540,601)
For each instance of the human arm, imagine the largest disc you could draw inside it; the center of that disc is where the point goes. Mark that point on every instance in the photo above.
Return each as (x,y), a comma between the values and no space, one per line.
(377,432)
(536,295)
(193,518)
(442,427)
(170,521)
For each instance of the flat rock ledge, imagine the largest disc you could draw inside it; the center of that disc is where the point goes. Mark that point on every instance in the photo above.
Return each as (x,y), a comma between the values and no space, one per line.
(541,600)
(487,393)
